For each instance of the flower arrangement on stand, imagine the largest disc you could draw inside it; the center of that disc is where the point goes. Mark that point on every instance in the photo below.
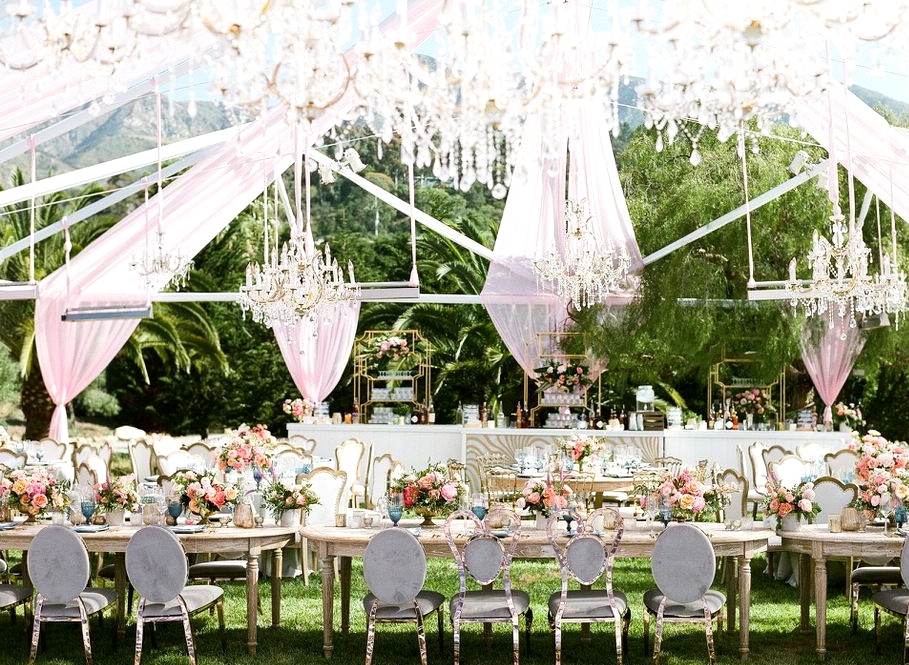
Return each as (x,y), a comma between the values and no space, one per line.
(430,492)
(783,502)
(753,406)
(848,416)
(281,498)
(562,376)
(581,446)
(882,472)
(248,448)
(689,496)
(542,497)
(35,492)
(390,351)
(202,494)
(300,409)
(119,494)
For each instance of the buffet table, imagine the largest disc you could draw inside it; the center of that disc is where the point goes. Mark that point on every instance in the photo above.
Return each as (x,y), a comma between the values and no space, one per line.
(252,542)
(330,542)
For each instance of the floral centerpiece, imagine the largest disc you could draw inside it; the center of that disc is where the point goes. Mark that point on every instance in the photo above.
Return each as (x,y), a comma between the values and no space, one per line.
(782,501)
(882,471)
(562,376)
(247,448)
(119,494)
(579,447)
(300,408)
(689,496)
(431,491)
(202,494)
(35,492)
(390,351)
(849,415)
(544,496)
(280,498)
(755,404)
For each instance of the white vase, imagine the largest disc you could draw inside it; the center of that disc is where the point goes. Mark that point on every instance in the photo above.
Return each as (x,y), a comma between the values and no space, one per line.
(541,520)
(116,517)
(845,429)
(790,523)
(290,518)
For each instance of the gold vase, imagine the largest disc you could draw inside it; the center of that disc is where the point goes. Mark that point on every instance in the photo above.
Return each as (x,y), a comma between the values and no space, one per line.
(427,514)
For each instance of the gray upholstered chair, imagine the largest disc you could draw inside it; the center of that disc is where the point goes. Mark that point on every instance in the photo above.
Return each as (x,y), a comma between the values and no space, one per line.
(683,566)
(59,570)
(156,566)
(394,567)
(13,595)
(896,602)
(482,559)
(586,559)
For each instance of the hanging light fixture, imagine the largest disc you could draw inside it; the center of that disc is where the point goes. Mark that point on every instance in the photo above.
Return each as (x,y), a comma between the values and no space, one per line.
(584,271)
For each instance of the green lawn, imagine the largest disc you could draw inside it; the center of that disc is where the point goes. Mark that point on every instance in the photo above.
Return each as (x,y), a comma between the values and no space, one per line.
(775,636)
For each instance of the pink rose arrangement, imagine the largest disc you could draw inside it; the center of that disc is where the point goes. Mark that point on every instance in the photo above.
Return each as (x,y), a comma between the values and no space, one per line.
(119,494)
(849,414)
(390,347)
(34,492)
(688,495)
(755,402)
(544,496)
(248,447)
(299,408)
(281,498)
(202,494)
(580,447)
(431,488)
(882,471)
(782,501)
(563,377)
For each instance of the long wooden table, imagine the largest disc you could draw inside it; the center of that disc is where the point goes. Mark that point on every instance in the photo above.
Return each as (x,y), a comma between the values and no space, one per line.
(251,542)
(814,543)
(637,541)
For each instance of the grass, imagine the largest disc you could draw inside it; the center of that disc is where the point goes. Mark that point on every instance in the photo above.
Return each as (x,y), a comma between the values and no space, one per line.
(775,634)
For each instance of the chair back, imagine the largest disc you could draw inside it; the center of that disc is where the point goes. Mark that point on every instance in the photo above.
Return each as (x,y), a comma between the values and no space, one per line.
(789,469)
(832,495)
(841,464)
(11,459)
(328,485)
(142,457)
(590,553)
(302,443)
(812,452)
(683,563)
(156,564)
(86,451)
(384,469)
(91,471)
(758,466)
(289,461)
(58,564)
(503,486)
(737,508)
(484,557)
(774,453)
(51,450)
(394,566)
(176,461)
(671,464)
(207,451)
(349,456)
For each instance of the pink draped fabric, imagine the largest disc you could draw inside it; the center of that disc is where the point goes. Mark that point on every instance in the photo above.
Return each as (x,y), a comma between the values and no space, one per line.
(829,361)
(316,362)
(197,207)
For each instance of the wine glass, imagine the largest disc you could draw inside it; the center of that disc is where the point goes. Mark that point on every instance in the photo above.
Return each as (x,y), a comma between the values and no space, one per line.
(665,513)
(885,508)
(161,504)
(257,476)
(395,508)
(650,510)
(478,506)
(568,516)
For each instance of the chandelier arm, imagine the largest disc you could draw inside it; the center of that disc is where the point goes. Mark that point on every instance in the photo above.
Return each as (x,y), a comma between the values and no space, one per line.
(743,154)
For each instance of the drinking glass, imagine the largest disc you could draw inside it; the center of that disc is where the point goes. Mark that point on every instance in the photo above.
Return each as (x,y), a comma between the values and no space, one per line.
(665,513)
(885,509)
(478,507)
(161,504)
(395,508)
(569,518)
(174,509)
(88,507)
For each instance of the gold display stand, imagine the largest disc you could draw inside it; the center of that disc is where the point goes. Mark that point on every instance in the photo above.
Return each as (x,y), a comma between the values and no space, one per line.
(547,347)
(729,376)
(402,383)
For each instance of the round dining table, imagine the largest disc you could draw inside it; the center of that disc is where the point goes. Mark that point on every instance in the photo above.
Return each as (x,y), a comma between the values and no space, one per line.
(738,546)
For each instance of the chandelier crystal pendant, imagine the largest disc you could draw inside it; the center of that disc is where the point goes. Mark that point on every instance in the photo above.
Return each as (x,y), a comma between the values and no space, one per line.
(585,271)
(159,268)
(841,284)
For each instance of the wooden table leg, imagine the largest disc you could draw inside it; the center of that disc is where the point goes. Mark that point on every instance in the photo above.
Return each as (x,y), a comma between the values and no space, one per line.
(252,598)
(120,586)
(344,569)
(277,573)
(328,604)
(805,591)
(744,566)
(820,605)
(732,583)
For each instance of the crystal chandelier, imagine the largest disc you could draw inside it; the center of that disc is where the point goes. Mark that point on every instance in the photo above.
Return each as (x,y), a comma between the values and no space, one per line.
(841,284)
(297,284)
(584,271)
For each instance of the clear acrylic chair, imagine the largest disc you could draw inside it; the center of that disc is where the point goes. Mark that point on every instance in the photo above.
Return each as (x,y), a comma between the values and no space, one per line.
(585,559)
(482,558)
(683,565)
(394,567)
(59,570)
(156,567)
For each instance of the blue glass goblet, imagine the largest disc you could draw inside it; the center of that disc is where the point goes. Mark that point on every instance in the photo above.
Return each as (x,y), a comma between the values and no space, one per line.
(569,518)
(395,508)
(174,510)
(665,514)
(257,476)
(88,510)
(900,515)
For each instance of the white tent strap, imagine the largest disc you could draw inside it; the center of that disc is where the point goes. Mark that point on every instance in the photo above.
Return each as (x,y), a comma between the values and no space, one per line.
(414,275)
(32,147)
(743,152)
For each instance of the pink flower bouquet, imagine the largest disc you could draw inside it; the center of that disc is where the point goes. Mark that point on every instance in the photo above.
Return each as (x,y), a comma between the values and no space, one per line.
(248,448)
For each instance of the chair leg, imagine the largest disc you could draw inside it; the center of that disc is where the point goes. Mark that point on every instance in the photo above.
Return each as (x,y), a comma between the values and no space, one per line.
(190,639)
(877,629)
(439,613)
(855,589)
(371,632)
(658,633)
(708,630)
(516,640)
(905,637)
(619,632)
(86,641)
(36,635)
(557,639)
(455,639)
(221,625)
(646,632)
(528,623)
(421,636)
(140,630)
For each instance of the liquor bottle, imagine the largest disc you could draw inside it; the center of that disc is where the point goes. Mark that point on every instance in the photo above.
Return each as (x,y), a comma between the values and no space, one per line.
(459,414)
(431,414)
(623,419)
(727,419)
(518,416)
(735,420)
(355,415)
(484,415)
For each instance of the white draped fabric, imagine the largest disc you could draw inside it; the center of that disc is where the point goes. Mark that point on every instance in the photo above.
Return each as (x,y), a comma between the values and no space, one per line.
(533,223)
(316,352)
(829,360)
(197,207)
